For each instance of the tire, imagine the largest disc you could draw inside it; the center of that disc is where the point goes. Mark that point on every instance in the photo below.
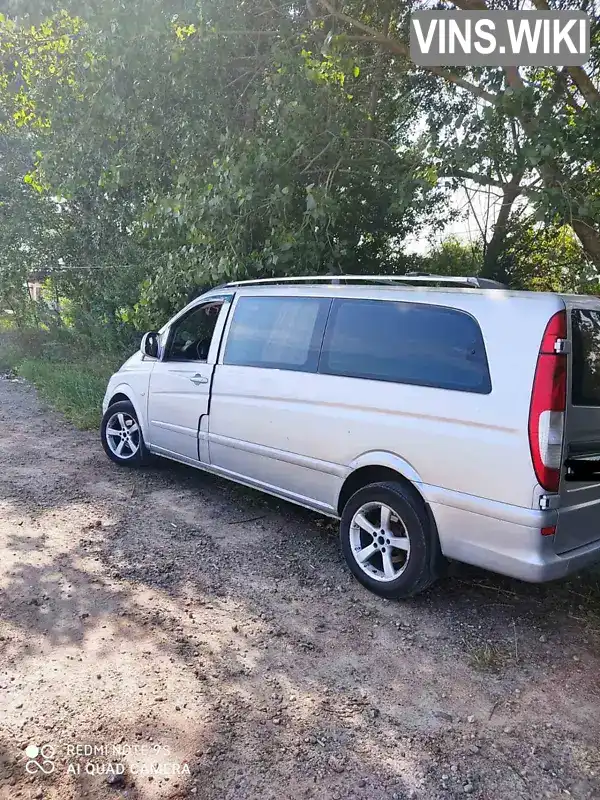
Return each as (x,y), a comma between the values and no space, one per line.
(392,572)
(119,417)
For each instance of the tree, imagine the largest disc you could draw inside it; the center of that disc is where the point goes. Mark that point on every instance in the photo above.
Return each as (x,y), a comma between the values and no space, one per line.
(197,147)
(555,113)
(547,258)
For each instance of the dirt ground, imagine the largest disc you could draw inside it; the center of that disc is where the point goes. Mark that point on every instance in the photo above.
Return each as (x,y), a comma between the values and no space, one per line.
(210,643)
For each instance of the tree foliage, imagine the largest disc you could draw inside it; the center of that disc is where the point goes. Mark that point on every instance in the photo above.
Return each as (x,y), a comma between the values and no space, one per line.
(148,150)
(189,148)
(547,258)
(490,125)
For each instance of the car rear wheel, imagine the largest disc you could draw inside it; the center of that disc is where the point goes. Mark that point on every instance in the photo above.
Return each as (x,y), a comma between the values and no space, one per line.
(388,541)
(122,436)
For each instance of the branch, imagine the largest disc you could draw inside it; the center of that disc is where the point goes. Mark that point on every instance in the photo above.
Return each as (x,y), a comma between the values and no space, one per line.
(561,87)
(486,180)
(471,5)
(373,139)
(578,75)
(242,33)
(513,78)
(377,76)
(492,99)
(400,49)
(318,156)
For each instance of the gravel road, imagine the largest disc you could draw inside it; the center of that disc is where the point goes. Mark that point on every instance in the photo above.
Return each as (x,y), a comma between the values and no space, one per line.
(168,635)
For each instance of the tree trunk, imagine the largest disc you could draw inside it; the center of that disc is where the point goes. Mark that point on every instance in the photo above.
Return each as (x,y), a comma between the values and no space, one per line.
(589,238)
(491,269)
(584,227)
(553,178)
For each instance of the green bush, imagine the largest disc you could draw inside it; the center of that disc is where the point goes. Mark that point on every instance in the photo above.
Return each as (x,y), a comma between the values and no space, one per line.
(15,345)
(74,388)
(10,356)
(69,368)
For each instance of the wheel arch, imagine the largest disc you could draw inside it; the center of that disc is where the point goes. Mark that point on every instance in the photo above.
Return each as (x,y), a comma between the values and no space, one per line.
(124,393)
(117,397)
(378,467)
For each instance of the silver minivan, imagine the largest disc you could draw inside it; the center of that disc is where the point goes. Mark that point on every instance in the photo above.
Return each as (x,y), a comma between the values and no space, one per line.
(437,418)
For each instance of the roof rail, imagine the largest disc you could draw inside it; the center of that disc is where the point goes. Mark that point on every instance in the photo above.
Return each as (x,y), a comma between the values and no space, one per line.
(472,280)
(410,277)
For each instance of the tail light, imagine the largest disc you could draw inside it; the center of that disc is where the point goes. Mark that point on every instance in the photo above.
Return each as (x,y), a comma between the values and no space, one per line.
(548,404)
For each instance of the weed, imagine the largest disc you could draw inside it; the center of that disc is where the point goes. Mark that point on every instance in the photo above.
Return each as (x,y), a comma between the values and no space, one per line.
(69,369)
(487,657)
(75,389)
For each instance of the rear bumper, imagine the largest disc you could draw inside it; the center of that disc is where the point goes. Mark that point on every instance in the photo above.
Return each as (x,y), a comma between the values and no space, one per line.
(503,538)
(557,566)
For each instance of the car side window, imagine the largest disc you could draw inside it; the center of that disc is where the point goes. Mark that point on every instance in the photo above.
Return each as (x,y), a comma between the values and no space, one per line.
(401,342)
(277,332)
(191,335)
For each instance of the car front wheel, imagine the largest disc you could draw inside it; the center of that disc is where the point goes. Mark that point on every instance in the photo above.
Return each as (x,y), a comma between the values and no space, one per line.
(122,437)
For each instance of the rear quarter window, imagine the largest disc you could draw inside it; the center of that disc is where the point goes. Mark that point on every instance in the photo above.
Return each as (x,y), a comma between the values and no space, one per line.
(585,387)
(414,343)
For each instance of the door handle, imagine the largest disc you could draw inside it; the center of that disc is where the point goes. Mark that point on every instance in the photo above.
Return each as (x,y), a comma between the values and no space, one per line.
(197,379)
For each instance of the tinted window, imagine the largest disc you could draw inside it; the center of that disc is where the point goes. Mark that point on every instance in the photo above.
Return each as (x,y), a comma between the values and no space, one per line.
(406,343)
(586,357)
(277,332)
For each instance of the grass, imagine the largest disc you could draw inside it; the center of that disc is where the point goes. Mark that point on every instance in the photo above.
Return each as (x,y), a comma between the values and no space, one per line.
(10,357)
(75,389)
(15,346)
(69,369)
(487,657)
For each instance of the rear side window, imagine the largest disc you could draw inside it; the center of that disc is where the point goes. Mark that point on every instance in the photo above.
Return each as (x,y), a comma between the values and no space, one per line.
(406,343)
(585,390)
(277,332)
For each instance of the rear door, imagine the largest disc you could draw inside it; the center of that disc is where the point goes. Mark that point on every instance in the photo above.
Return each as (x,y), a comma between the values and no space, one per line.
(265,402)
(579,515)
